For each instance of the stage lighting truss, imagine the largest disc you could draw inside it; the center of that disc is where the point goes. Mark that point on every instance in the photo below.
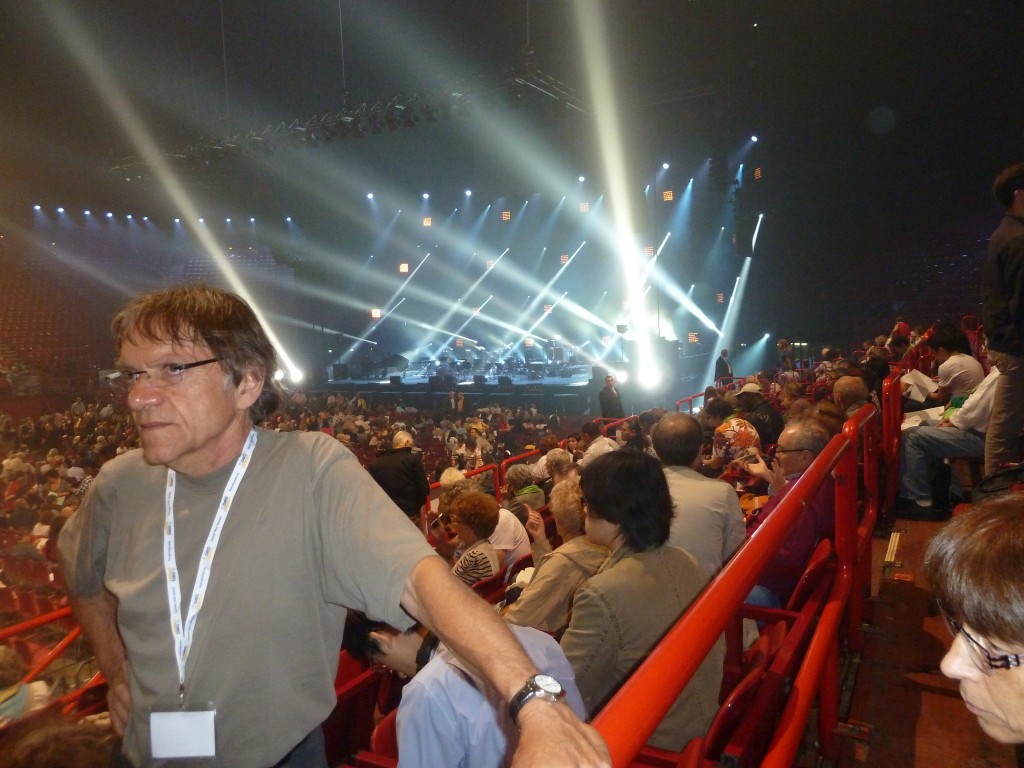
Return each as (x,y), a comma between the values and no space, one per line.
(351,121)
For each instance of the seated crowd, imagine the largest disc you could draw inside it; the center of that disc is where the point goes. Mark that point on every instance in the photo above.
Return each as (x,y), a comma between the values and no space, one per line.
(643,516)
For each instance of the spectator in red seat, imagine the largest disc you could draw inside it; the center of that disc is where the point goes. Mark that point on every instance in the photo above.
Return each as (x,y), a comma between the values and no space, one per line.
(18,699)
(474,516)
(522,492)
(546,603)
(400,472)
(799,444)
(734,437)
(448,716)
(850,393)
(959,373)
(708,521)
(593,443)
(759,413)
(641,590)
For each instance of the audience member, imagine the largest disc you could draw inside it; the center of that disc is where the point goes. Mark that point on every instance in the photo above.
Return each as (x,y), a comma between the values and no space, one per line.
(640,591)
(973,567)
(399,471)
(474,516)
(850,394)
(734,437)
(759,413)
(593,443)
(799,444)
(448,716)
(522,492)
(961,433)
(1002,293)
(708,521)
(546,602)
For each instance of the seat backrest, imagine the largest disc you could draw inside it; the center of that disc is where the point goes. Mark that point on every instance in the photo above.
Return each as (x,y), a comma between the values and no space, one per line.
(491,589)
(526,561)
(811,576)
(735,706)
(385,736)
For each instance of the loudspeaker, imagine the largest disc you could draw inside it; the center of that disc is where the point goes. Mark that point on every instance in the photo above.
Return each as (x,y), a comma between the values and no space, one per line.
(479,380)
(339,371)
(396,381)
(504,381)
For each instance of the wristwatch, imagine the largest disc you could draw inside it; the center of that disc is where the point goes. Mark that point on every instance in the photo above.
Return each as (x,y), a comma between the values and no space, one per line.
(537,687)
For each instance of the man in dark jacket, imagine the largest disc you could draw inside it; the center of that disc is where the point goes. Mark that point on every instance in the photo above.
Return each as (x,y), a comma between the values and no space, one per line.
(764,418)
(1002,295)
(400,472)
(611,403)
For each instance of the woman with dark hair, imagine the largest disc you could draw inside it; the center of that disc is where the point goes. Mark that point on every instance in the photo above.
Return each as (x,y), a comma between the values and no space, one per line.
(974,568)
(620,613)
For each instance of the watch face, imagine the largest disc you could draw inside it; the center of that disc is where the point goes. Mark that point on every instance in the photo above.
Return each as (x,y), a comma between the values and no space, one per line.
(548,684)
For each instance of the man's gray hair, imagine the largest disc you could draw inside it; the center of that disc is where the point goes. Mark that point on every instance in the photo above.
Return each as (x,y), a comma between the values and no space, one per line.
(401,440)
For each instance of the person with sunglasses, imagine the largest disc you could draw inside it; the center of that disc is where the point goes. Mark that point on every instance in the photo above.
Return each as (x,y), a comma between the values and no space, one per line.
(973,567)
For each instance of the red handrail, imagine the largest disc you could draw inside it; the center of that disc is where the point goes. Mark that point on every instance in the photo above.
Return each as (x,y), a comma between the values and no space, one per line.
(37,621)
(516,460)
(630,717)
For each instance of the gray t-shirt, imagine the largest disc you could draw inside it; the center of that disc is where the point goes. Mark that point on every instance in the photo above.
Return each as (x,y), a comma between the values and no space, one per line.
(309,534)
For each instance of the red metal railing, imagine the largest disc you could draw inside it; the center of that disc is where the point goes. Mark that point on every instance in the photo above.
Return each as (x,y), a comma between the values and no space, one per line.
(892,418)
(631,716)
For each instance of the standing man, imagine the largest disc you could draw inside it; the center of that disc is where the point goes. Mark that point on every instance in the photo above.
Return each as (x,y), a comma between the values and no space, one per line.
(212,570)
(723,369)
(1002,296)
(611,403)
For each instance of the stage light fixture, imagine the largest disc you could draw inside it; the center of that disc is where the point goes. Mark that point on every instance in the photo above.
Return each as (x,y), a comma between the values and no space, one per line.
(88,213)
(37,207)
(583,178)
(227,221)
(403,268)
(664,166)
(469,193)
(60,210)
(202,221)
(129,217)
(753,139)
(506,215)
(375,313)
(369,195)
(564,258)
(426,195)
(584,207)
(288,219)
(252,220)
(110,215)
(428,221)
(668,196)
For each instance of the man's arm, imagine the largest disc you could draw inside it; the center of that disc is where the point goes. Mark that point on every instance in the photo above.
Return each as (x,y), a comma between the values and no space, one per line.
(98,619)
(551,735)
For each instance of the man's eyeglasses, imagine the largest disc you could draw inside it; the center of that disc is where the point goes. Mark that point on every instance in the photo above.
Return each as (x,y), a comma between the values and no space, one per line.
(980,655)
(166,375)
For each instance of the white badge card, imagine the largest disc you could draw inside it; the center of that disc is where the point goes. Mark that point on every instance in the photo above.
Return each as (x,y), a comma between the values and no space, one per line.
(183,734)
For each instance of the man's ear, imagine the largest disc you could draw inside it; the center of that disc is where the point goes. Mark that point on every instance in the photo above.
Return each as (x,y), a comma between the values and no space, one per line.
(250,387)
(383,639)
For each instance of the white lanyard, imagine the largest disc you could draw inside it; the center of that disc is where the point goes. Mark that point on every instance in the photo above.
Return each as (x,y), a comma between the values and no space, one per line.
(182,632)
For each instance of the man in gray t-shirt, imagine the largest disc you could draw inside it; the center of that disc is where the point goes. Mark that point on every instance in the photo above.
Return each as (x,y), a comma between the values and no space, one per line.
(212,570)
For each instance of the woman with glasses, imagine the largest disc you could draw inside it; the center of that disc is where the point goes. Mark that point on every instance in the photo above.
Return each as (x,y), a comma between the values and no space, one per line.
(976,569)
